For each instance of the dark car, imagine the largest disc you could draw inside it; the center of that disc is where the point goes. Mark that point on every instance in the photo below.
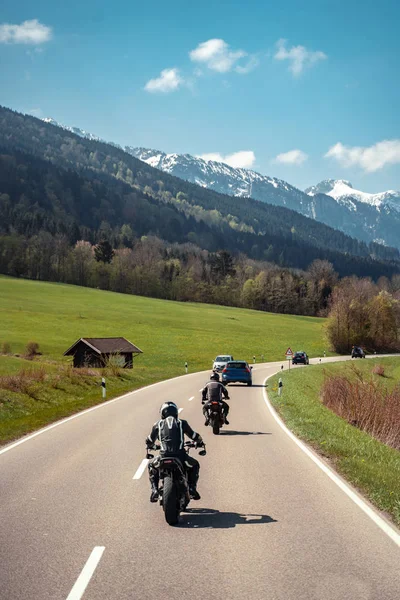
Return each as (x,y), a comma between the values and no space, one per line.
(357,352)
(237,371)
(300,358)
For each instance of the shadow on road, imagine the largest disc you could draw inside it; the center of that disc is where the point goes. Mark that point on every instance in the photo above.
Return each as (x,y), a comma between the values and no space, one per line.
(232,432)
(202,518)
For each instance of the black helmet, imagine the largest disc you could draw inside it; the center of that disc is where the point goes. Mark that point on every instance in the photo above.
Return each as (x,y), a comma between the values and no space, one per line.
(169,409)
(214,376)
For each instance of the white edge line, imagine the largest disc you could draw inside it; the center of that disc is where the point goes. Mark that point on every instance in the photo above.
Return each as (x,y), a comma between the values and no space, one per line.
(141,469)
(86,574)
(381,523)
(87,410)
(192,398)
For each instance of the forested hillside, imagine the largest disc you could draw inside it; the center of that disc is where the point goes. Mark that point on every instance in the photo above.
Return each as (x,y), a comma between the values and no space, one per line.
(54,181)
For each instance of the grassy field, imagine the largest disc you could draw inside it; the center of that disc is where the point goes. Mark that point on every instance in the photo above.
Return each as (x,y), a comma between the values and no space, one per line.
(168,333)
(371,466)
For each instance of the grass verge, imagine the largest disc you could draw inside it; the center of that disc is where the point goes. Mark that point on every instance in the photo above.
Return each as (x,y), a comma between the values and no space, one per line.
(370,465)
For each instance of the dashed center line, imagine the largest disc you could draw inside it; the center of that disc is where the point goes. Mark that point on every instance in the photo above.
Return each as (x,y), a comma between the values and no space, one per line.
(180,410)
(141,469)
(192,398)
(86,574)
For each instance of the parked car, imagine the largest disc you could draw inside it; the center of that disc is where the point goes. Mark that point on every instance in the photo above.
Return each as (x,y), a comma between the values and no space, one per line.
(237,371)
(220,362)
(357,352)
(300,358)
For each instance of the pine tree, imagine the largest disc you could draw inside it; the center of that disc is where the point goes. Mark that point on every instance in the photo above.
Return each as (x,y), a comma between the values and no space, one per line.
(103,252)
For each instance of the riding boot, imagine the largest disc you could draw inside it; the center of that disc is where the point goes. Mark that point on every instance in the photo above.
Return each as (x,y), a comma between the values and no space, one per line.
(194,494)
(154,494)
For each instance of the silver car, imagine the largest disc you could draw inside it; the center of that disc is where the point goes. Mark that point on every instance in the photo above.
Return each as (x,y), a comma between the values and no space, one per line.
(220,362)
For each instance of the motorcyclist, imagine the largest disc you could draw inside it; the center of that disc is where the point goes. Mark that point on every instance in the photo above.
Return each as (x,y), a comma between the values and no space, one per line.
(213,391)
(171,431)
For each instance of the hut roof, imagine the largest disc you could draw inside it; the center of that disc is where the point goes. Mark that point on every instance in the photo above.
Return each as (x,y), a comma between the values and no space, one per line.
(106,346)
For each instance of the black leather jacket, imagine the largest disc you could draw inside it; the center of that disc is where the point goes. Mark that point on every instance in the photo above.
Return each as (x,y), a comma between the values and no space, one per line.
(171,434)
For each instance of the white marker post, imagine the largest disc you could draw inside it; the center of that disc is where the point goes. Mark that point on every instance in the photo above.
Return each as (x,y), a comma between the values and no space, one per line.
(280,385)
(186,367)
(103,387)
(254,359)
(262,357)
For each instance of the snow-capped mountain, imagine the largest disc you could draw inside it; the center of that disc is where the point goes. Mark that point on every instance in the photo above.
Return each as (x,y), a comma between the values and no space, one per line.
(225,179)
(369,217)
(344,192)
(81,132)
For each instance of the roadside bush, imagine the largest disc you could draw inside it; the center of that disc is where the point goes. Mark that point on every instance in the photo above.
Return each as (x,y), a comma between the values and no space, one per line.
(6,348)
(23,382)
(115,363)
(31,350)
(366,405)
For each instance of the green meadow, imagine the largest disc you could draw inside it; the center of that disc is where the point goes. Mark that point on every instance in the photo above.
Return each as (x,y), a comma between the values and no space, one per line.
(168,333)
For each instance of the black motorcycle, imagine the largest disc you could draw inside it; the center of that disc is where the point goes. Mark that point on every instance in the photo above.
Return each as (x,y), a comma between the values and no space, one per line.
(215,415)
(174,488)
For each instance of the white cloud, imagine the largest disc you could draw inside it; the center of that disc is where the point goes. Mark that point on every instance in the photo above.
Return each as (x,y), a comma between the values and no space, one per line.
(29,32)
(370,158)
(293,157)
(217,56)
(243,159)
(299,57)
(169,81)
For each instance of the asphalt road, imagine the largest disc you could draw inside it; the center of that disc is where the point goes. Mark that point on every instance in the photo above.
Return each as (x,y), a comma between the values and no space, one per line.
(270,523)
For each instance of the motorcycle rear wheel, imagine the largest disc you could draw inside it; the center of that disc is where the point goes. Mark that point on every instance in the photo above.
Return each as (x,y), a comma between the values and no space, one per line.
(170,501)
(215,428)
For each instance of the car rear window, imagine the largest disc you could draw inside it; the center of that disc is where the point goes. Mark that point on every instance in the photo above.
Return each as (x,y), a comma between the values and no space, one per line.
(236,365)
(299,354)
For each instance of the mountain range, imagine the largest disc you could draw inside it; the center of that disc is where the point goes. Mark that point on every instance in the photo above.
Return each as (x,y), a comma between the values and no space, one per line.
(368,217)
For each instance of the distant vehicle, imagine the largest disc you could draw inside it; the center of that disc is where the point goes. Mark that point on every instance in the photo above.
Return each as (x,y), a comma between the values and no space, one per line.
(357,352)
(300,358)
(237,371)
(220,362)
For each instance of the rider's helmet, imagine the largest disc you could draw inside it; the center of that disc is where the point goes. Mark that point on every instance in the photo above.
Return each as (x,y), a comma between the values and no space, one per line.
(169,409)
(214,376)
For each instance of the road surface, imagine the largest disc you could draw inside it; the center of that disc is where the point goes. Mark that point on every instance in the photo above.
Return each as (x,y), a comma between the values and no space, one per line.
(75,523)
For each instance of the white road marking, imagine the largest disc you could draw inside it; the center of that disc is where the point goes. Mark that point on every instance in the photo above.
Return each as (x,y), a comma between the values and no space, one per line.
(201,390)
(87,410)
(86,574)
(382,524)
(141,469)
(192,398)
(180,410)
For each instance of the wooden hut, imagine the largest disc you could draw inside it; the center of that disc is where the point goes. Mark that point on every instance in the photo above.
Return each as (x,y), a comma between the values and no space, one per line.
(96,352)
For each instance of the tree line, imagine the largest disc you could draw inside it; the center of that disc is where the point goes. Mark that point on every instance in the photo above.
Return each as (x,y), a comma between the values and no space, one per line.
(151,267)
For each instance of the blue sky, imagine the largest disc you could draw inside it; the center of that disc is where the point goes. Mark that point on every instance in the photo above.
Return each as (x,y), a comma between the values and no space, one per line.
(273,86)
